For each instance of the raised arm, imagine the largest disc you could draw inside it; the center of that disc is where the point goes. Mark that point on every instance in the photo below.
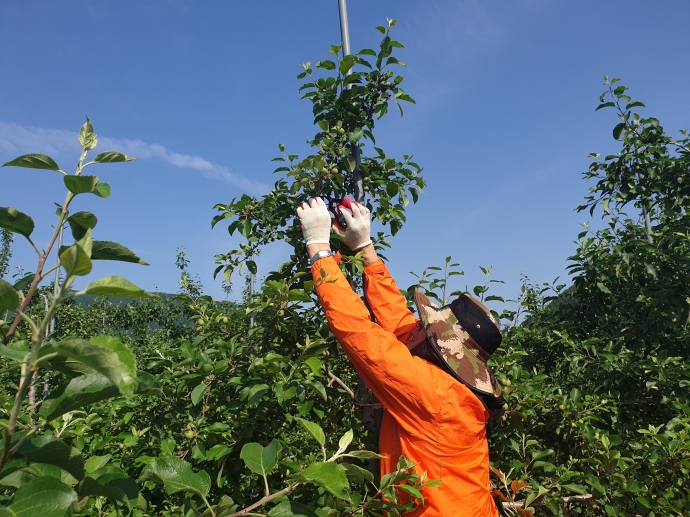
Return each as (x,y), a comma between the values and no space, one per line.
(401,382)
(384,298)
(386,302)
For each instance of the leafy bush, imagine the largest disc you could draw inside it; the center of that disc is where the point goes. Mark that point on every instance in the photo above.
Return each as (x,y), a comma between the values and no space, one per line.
(251,408)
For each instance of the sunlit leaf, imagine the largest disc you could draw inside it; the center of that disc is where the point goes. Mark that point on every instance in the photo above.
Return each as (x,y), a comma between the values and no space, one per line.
(15,221)
(112,157)
(34,161)
(259,459)
(176,475)
(116,286)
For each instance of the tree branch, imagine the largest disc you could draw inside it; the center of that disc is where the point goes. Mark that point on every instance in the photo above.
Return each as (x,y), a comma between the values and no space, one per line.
(338,381)
(512,505)
(264,500)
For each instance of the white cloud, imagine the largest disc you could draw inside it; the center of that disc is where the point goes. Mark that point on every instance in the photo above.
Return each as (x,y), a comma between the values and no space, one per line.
(16,140)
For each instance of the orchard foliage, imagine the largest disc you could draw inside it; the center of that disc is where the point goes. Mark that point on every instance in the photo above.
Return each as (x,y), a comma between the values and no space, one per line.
(185,405)
(596,377)
(348,96)
(238,409)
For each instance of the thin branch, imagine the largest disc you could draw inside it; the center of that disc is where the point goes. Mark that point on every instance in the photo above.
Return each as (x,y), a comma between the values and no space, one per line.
(338,381)
(247,511)
(512,505)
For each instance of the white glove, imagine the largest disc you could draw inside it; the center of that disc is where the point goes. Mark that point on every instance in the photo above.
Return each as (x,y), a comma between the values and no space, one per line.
(358,232)
(316,221)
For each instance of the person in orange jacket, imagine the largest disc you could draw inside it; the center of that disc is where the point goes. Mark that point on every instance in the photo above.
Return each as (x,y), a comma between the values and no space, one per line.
(430,374)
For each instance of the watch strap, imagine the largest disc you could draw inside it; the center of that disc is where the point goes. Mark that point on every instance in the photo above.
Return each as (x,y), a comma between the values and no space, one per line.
(319,255)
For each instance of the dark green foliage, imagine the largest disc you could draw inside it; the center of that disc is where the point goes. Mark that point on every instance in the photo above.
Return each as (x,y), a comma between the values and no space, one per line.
(6,239)
(253,405)
(235,406)
(596,377)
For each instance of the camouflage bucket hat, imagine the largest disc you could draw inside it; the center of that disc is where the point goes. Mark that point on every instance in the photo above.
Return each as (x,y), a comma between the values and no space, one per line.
(464,335)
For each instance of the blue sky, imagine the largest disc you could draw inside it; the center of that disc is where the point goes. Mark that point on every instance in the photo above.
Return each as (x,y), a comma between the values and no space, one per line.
(202,92)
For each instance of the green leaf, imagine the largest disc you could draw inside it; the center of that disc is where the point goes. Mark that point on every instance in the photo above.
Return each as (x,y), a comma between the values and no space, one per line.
(605,105)
(314,430)
(406,98)
(24,282)
(347,63)
(365,455)
(44,497)
(17,350)
(198,393)
(603,288)
(106,250)
(87,138)
(318,387)
(349,163)
(15,221)
(34,161)
(46,449)
(355,135)
(255,393)
(112,157)
(259,459)
(356,473)
(147,384)
(76,259)
(116,286)
(330,476)
(106,355)
(125,357)
(325,65)
(102,190)
(80,184)
(291,509)
(96,462)
(412,491)
(112,482)
(575,395)
(395,226)
(176,475)
(79,222)
(345,441)
(618,130)
(79,392)
(69,367)
(574,488)
(9,297)
(91,487)
(392,188)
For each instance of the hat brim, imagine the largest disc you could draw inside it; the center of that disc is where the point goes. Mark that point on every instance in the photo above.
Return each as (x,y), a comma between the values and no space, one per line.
(466,361)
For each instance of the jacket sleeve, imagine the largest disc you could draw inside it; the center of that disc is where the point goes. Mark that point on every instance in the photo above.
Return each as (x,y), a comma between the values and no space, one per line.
(401,382)
(386,302)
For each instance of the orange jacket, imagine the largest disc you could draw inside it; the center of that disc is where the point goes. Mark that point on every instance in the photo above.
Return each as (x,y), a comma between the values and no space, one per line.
(429,417)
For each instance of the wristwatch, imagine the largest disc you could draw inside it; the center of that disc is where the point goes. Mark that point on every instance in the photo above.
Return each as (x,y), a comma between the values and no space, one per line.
(319,255)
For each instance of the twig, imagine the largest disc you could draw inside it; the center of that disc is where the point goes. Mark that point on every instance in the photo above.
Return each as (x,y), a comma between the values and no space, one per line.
(576,498)
(566,499)
(263,500)
(338,381)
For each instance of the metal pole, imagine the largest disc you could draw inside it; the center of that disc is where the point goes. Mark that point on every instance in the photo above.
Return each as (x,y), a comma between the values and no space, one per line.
(371,418)
(354,148)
